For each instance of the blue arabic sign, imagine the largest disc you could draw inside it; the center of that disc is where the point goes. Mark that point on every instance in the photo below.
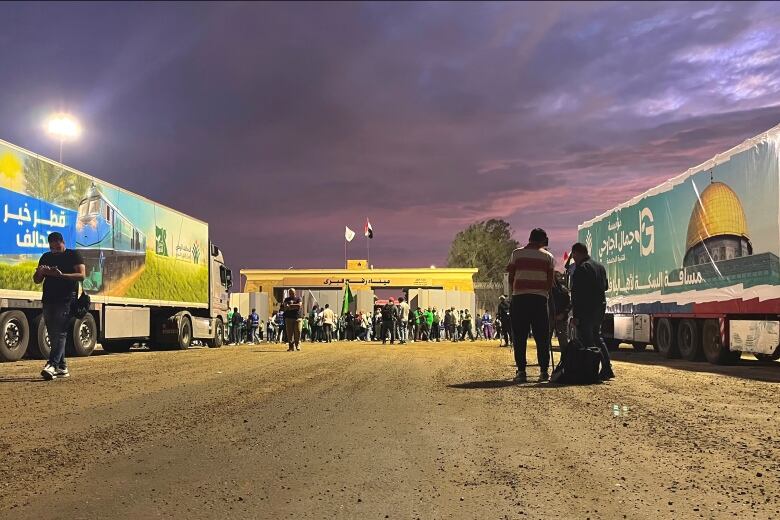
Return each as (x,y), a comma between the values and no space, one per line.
(25,224)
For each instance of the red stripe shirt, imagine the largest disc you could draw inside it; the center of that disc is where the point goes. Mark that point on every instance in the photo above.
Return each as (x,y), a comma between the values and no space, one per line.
(532,269)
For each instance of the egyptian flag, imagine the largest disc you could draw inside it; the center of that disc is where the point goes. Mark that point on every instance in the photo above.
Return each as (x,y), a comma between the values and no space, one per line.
(367,230)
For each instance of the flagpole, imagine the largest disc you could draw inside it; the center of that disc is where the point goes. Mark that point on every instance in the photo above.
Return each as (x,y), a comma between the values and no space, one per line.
(345,252)
(368,252)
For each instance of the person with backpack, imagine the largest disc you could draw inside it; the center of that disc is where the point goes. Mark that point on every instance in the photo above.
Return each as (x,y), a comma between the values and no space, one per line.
(589,303)
(254,323)
(560,305)
(389,317)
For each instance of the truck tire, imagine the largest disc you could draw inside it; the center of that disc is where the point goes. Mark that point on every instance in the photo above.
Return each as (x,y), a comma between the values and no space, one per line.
(219,335)
(665,338)
(83,337)
(118,346)
(714,349)
(185,334)
(768,358)
(688,341)
(39,347)
(16,335)
(639,347)
(612,344)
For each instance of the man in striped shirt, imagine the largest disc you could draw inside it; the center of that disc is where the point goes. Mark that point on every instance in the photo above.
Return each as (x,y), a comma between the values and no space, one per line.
(531,270)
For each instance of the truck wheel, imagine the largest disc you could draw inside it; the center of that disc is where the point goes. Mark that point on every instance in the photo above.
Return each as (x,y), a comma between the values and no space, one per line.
(688,340)
(39,347)
(612,344)
(219,334)
(16,335)
(713,347)
(185,334)
(768,358)
(639,347)
(118,345)
(664,338)
(83,337)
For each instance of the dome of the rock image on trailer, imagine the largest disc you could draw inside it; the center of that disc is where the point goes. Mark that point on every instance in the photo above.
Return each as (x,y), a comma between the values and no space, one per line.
(718,228)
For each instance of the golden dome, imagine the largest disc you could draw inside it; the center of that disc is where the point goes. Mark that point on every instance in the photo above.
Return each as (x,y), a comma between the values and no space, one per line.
(719,212)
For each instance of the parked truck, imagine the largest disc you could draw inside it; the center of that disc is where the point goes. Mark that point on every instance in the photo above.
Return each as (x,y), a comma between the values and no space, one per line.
(151,272)
(693,263)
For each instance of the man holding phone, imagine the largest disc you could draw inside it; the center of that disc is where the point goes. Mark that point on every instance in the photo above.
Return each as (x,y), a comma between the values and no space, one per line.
(60,270)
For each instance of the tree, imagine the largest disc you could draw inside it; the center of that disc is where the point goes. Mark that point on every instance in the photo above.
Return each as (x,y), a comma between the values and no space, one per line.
(53,184)
(485,245)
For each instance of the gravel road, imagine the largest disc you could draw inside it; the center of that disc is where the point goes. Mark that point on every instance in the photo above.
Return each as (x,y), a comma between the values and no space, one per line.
(363,431)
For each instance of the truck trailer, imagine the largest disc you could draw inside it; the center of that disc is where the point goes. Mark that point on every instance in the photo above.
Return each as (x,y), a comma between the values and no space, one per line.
(693,263)
(152,273)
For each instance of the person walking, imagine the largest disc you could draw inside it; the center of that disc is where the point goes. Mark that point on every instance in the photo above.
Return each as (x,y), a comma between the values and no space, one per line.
(254,323)
(403,319)
(60,270)
(589,303)
(503,318)
(466,326)
(292,320)
(531,277)
(389,317)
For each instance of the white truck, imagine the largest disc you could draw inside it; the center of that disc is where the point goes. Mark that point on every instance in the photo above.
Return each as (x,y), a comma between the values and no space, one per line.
(693,263)
(151,272)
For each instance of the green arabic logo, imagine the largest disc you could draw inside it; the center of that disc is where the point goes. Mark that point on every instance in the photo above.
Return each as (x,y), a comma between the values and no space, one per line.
(161,243)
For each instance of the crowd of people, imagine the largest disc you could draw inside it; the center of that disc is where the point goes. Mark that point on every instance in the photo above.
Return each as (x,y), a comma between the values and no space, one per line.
(392,321)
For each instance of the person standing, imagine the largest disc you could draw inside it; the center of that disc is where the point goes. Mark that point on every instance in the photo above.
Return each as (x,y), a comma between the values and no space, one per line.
(487,325)
(531,277)
(314,328)
(589,303)
(389,317)
(403,319)
(230,325)
(560,305)
(292,320)
(254,322)
(435,332)
(236,320)
(60,270)
(328,319)
(503,317)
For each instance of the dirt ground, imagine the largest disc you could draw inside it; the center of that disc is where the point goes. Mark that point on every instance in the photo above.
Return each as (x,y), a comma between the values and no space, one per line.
(363,431)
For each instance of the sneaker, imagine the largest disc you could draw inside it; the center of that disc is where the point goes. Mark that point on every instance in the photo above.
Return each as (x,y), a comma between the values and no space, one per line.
(49,372)
(544,376)
(61,372)
(298,348)
(607,374)
(520,377)
(290,349)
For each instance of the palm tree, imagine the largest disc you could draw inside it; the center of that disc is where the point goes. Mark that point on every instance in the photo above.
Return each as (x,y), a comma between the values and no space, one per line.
(54,184)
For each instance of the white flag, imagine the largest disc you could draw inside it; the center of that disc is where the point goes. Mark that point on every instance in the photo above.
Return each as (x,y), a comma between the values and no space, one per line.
(348,234)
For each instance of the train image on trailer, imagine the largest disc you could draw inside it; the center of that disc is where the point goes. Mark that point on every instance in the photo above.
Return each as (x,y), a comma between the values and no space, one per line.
(111,245)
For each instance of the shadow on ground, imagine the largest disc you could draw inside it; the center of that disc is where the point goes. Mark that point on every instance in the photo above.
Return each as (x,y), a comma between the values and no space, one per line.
(768,372)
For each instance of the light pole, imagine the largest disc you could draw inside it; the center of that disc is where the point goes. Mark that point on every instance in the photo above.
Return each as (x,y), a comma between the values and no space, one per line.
(63,127)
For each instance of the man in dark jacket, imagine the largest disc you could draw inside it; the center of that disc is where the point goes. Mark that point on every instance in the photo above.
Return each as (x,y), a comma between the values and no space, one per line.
(589,303)
(389,317)
(503,318)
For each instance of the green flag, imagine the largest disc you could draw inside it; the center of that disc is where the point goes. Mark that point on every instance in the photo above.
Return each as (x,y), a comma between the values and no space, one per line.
(348,298)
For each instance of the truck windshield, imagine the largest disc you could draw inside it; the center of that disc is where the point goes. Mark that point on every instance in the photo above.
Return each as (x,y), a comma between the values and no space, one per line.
(94,206)
(83,208)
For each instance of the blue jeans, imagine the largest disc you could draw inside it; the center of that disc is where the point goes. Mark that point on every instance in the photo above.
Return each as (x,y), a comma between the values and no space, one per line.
(56,316)
(402,332)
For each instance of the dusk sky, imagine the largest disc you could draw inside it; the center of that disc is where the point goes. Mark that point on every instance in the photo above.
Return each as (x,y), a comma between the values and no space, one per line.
(279,124)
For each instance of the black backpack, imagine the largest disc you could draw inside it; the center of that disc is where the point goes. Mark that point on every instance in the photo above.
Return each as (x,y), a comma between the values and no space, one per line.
(387,313)
(579,366)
